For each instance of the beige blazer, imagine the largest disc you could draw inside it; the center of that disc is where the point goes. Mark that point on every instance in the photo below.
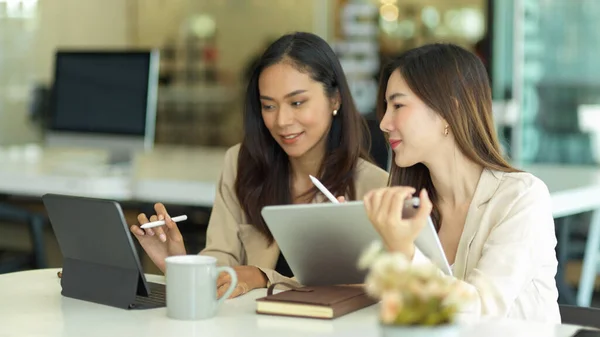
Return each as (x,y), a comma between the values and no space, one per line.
(234,242)
(506,252)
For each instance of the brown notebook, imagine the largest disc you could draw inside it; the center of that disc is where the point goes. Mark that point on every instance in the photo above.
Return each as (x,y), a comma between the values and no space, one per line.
(325,302)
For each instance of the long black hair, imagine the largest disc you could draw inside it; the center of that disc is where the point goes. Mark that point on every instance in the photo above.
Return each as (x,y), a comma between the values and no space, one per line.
(263,175)
(452,82)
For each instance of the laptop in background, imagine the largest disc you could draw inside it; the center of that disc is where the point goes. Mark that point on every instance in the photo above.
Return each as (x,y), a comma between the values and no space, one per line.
(100,261)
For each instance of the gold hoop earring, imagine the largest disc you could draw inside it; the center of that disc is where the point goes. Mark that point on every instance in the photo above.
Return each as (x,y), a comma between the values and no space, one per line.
(446,130)
(335,112)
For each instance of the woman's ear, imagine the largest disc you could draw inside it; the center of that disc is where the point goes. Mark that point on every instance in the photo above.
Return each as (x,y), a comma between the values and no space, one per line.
(443,120)
(336,101)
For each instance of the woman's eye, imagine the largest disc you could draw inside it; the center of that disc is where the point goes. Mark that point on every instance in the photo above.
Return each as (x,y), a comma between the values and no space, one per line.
(268,107)
(397,106)
(296,104)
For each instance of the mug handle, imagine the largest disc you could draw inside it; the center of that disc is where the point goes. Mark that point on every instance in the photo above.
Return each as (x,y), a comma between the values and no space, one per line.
(232,285)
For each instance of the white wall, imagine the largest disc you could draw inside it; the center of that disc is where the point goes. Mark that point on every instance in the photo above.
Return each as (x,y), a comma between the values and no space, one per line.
(243,29)
(27,46)
(79,24)
(242,25)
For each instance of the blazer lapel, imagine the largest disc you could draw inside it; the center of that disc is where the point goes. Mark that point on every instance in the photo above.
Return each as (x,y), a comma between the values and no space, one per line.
(486,187)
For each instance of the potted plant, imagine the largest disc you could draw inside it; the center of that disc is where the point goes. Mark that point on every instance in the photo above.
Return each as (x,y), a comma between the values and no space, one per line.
(416,300)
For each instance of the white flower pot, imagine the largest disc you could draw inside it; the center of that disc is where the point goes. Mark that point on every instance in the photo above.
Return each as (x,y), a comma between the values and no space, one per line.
(449,330)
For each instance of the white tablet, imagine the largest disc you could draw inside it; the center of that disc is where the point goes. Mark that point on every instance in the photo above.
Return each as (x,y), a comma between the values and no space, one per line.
(323,242)
(428,241)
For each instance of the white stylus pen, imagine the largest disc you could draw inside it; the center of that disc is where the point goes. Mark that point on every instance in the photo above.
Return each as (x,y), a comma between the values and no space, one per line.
(324,190)
(162,222)
(414,201)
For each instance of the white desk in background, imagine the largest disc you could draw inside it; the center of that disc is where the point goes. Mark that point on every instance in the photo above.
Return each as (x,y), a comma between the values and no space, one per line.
(176,175)
(33,306)
(31,171)
(574,190)
(189,176)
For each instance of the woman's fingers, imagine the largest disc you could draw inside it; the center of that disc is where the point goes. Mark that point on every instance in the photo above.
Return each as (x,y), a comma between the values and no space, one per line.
(224,278)
(135,229)
(160,232)
(223,289)
(239,290)
(142,219)
(425,206)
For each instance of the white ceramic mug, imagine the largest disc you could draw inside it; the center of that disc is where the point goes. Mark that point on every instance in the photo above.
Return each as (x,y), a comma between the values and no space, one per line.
(191,285)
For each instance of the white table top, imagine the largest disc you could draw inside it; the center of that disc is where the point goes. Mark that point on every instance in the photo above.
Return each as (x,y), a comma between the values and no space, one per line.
(33,306)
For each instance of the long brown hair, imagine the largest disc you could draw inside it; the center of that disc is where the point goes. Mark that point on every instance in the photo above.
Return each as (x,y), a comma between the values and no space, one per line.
(454,83)
(263,175)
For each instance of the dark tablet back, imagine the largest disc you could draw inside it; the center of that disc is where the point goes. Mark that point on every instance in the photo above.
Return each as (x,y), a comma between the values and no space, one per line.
(100,262)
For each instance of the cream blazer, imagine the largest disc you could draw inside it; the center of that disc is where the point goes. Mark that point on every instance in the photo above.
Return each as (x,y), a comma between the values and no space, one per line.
(233,241)
(506,253)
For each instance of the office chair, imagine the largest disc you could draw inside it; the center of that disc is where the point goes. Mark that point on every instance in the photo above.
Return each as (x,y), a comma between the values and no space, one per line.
(584,316)
(36,259)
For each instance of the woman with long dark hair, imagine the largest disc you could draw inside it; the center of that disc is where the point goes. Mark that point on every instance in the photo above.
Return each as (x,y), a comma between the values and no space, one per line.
(494,222)
(299,120)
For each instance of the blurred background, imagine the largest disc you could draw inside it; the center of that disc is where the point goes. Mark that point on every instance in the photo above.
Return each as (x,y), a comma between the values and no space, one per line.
(137,100)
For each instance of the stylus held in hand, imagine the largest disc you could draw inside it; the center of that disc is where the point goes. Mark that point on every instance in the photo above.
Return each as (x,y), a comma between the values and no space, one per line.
(324,190)
(414,201)
(162,222)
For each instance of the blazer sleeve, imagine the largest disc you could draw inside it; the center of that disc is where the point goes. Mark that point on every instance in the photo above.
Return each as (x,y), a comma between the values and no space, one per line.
(222,239)
(511,254)
(369,177)
(274,277)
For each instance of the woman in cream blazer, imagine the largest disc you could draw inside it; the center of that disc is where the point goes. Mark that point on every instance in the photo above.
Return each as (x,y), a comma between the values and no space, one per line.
(506,250)
(494,222)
